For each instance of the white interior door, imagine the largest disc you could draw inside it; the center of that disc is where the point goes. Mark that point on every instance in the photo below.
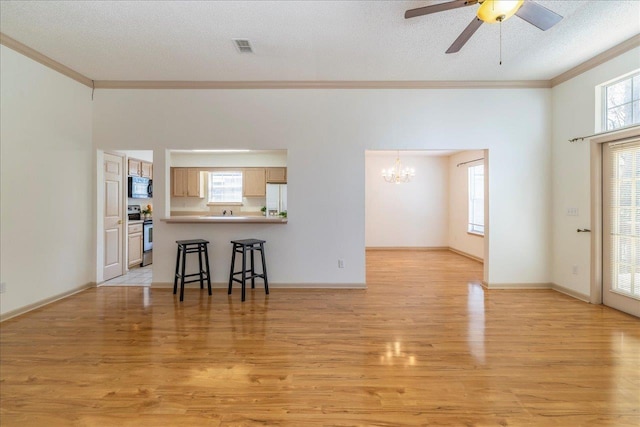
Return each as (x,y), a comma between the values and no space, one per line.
(621,226)
(113,211)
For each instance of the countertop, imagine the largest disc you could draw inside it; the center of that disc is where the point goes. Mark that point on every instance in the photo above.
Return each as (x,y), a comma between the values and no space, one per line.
(217,219)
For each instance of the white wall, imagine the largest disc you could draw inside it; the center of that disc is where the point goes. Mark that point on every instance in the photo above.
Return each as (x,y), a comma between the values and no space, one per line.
(275,158)
(575,114)
(413,214)
(459,239)
(326,133)
(47,180)
(146,155)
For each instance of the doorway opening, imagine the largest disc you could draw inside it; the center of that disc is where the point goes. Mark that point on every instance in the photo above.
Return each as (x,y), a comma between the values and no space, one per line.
(124,232)
(443,207)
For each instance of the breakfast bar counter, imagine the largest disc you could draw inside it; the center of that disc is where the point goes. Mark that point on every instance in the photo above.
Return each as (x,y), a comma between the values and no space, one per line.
(217,219)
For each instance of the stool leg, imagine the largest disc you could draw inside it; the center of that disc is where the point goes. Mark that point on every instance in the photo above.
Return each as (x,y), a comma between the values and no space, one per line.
(175,278)
(264,269)
(200,265)
(233,262)
(244,270)
(184,261)
(206,262)
(253,272)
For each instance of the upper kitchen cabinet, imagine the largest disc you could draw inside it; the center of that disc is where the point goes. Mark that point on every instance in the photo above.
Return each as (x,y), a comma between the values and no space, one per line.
(254,182)
(277,175)
(186,182)
(140,168)
(146,170)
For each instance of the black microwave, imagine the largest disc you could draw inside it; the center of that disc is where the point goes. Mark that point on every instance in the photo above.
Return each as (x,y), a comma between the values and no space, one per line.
(140,188)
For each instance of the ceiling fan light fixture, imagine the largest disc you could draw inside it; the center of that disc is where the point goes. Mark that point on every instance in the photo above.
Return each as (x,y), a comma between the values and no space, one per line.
(494,11)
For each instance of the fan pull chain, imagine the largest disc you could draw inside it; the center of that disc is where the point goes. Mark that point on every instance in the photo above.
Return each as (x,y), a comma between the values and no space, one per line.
(500,42)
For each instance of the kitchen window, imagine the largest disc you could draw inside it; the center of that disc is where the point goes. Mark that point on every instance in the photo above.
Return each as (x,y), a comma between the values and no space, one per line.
(476,200)
(225,187)
(621,106)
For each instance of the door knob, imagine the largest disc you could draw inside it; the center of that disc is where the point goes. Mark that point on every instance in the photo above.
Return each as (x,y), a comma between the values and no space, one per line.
(119,221)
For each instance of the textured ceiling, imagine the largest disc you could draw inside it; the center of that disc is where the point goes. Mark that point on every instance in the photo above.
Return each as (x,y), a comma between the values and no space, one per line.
(308,40)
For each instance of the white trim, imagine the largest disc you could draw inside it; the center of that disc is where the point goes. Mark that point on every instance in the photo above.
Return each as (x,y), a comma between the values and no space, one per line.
(326,84)
(570,292)
(467,255)
(517,286)
(44,60)
(601,58)
(260,286)
(596,206)
(36,305)
(624,294)
(407,248)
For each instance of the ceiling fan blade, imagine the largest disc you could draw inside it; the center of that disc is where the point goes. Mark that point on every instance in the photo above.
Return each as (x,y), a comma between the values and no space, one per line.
(412,13)
(465,35)
(538,15)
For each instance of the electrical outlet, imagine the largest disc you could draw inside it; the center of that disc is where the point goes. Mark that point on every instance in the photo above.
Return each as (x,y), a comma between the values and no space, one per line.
(340,263)
(3,287)
(574,269)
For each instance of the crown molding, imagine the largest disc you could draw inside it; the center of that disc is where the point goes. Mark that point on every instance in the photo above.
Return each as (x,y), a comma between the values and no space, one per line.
(336,84)
(601,58)
(44,60)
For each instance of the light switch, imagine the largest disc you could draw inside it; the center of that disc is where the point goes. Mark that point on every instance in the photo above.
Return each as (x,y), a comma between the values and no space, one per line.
(572,211)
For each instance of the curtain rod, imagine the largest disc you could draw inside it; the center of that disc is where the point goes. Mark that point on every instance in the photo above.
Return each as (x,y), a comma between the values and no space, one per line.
(582,138)
(470,161)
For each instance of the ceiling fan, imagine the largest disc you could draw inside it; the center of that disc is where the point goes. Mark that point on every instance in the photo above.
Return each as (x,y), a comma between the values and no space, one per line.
(491,12)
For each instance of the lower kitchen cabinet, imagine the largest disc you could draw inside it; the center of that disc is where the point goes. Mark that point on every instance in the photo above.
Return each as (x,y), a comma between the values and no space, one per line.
(135,244)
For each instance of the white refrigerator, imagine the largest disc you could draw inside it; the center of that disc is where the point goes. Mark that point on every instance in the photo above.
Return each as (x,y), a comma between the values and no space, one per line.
(276,198)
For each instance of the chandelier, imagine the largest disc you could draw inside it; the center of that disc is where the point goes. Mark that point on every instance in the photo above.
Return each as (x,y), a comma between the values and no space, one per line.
(398,174)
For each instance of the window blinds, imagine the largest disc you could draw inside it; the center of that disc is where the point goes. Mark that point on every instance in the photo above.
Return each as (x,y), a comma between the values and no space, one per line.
(624,218)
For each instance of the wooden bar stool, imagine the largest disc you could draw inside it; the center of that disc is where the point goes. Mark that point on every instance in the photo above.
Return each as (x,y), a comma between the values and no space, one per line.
(186,247)
(242,247)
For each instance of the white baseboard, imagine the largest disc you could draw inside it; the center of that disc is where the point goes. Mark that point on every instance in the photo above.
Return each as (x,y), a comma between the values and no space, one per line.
(551,286)
(570,292)
(516,286)
(465,254)
(424,248)
(407,248)
(27,308)
(259,284)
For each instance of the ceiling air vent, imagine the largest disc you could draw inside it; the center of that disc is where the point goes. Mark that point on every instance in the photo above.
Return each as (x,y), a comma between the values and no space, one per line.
(243,45)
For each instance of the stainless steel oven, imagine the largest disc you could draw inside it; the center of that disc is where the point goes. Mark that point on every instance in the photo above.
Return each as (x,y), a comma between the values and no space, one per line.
(147,242)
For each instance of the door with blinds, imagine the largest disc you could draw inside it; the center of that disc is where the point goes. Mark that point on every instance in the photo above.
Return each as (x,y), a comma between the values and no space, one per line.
(621,226)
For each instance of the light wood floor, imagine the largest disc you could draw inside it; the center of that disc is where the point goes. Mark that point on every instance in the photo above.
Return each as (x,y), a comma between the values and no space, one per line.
(423,345)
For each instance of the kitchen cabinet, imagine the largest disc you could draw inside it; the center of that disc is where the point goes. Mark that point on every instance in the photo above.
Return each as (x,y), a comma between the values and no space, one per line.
(277,175)
(140,168)
(186,182)
(254,182)
(146,170)
(134,167)
(135,244)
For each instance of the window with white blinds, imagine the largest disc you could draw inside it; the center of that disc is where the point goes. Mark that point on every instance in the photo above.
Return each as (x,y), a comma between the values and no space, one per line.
(624,219)
(225,187)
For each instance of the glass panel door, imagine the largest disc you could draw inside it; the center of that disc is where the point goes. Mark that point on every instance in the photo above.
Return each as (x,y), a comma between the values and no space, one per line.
(621,226)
